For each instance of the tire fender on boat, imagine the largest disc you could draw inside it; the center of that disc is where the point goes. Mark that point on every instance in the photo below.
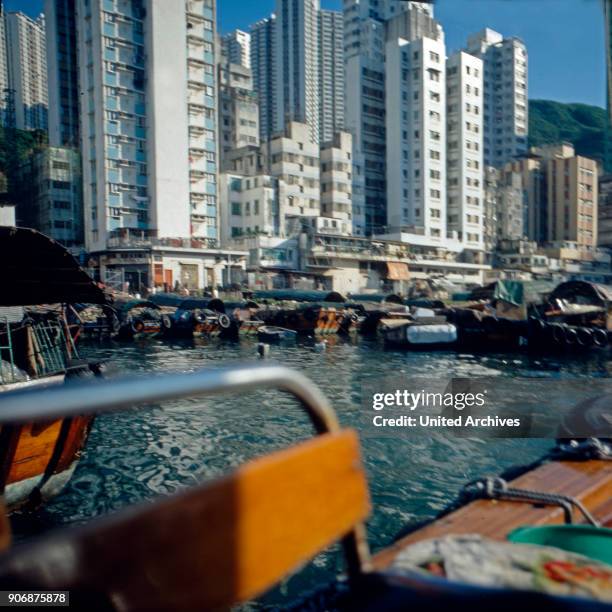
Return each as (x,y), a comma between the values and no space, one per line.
(137,325)
(584,336)
(224,321)
(600,337)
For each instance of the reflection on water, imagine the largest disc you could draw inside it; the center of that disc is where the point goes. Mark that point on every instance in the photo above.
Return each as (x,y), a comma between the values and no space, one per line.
(136,455)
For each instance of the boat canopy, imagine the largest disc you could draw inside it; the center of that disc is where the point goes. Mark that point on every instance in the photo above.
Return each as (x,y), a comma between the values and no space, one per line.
(515,292)
(392,298)
(124,306)
(583,292)
(202,304)
(299,296)
(39,270)
(166,299)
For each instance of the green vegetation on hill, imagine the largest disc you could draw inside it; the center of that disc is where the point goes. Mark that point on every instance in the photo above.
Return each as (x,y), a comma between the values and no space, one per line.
(582,125)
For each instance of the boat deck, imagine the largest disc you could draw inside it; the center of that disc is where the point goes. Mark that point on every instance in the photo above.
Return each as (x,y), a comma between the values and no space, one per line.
(590,482)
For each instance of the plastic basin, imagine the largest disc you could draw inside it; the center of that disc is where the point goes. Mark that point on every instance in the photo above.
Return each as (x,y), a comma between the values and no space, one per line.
(592,542)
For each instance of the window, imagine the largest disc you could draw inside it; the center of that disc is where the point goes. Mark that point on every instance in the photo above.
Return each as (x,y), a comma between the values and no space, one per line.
(236,208)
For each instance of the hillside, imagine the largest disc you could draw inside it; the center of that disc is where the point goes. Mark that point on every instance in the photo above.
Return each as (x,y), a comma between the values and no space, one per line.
(580,124)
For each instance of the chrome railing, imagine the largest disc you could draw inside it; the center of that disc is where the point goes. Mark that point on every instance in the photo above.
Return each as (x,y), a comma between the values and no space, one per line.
(100,396)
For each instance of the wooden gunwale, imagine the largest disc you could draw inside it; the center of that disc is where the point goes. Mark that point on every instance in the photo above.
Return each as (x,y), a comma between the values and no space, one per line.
(590,482)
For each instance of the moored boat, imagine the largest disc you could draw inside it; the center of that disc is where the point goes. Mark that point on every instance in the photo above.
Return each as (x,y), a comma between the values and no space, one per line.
(37,350)
(138,319)
(269,333)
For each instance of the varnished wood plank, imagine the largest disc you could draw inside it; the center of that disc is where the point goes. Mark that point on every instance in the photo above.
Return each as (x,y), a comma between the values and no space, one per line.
(33,452)
(588,481)
(75,442)
(215,545)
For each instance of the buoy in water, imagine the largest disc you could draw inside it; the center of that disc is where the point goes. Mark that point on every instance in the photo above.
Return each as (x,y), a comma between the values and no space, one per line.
(263,349)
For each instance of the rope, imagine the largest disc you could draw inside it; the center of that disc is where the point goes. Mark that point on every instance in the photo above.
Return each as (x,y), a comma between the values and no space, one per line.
(497,488)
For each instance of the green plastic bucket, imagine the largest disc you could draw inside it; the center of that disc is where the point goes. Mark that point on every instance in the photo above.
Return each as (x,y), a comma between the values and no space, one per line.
(592,542)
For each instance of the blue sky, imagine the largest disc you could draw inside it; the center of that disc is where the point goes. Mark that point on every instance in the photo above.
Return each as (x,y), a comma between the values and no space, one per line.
(565,38)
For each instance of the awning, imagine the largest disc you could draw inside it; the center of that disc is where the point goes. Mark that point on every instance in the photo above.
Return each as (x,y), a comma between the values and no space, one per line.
(397,271)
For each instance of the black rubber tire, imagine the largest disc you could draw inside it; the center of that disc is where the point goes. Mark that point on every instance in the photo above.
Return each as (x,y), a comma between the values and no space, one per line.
(137,325)
(557,332)
(224,321)
(584,337)
(166,321)
(571,336)
(198,317)
(600,337)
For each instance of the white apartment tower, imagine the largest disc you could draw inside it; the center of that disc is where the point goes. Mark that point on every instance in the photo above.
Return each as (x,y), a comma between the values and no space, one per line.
(416,138)
(263,65)
(27,70)
(5,98)
(505,95)
(464,144)
(297,65)
(236,48)
(331,66)
(149,120)
(365,24)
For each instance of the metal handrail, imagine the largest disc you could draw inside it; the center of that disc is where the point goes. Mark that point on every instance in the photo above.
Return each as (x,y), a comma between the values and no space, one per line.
(94,397)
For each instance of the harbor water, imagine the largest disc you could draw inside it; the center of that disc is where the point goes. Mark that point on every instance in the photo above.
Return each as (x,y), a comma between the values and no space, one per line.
(140,454)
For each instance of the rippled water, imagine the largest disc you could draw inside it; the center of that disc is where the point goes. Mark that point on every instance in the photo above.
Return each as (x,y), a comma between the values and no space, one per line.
(136,455)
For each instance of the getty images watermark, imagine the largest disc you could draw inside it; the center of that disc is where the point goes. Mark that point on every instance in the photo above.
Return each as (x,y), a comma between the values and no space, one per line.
(488,407)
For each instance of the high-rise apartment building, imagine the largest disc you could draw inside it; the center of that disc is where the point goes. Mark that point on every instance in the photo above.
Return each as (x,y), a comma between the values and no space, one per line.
(263,65)
(238,109)
(27,70)
(331,67)
(416,137)
(505,95)
(604,229)
(297,65)
(6,101)
(561,195)
(236,48)
(62,69)
(149,120)
(365,24)
(464,145)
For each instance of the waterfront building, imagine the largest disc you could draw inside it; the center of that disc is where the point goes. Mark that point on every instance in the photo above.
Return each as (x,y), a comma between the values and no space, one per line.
(336,185)
(62,70)
(236,48)
(331,68)
(365,23)
(464,144)
(263,65)
(505,95)
(511,211)
(27,71)
(149,119)
(298,92)
(489,226)
(238,109)
(51,194)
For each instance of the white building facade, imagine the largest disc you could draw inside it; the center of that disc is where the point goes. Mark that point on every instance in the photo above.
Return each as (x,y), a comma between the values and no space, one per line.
(149,120)
(27,71)
(506,107)
(236,48)
(464,142)
(416,138)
